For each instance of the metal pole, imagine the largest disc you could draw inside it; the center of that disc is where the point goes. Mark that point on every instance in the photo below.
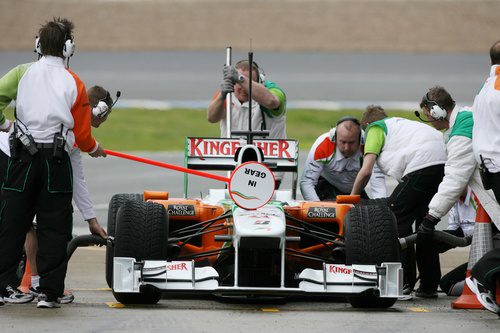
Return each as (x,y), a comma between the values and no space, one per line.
(228,97)
(250,74)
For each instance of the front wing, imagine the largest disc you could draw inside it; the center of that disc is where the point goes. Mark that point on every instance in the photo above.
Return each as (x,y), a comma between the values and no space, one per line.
(182,276)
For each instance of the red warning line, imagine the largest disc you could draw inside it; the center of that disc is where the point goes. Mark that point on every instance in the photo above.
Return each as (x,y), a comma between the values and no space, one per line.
(166,165)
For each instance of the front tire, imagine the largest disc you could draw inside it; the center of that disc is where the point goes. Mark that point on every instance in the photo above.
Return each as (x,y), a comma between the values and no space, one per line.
(115,203)
(371,238)
(141,233)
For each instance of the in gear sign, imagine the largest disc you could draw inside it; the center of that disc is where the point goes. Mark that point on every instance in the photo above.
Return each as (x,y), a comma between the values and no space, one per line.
(251,185)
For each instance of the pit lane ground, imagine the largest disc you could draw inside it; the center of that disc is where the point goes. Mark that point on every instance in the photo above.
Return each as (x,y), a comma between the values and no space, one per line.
(95,310)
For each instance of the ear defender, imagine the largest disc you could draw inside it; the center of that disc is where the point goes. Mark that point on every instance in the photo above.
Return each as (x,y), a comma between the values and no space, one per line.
(100,110)
(262,76)
(38,46)
(69,48)
(435,110)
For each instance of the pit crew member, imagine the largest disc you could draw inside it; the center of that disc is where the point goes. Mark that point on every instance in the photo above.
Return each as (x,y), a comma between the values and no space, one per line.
(101,104)
(412,153)
(268,104)
(460,170)
(486,131)
(51,108)
(334,161)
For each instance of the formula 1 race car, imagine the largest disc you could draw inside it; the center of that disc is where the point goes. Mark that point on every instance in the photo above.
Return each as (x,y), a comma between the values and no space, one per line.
(226,245)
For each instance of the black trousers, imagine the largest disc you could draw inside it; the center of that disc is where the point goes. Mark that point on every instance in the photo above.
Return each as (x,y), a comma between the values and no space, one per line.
(42,186)
(450,279)
(487,270)
(428,263)
(494,181)
(328,192)
(409,202)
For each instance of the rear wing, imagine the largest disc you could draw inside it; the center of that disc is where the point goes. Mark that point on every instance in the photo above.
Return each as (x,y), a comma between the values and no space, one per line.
(280,155)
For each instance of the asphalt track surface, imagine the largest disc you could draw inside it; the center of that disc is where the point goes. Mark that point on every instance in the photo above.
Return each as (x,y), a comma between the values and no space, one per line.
(95,310)
(362,78)
(183,76)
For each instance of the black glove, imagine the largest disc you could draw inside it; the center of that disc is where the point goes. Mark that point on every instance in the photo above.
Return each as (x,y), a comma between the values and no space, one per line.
(426,229)
(226,87)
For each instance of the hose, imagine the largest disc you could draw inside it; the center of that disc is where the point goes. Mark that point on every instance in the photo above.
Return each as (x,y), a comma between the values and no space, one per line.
(442,236)
(83,241)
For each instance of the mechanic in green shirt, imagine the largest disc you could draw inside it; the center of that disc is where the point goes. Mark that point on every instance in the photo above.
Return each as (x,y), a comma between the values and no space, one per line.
(412,153)
(268,103)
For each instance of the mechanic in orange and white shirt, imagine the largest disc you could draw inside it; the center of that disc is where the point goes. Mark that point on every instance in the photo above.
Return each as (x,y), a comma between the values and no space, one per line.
(334,161)
(52,113)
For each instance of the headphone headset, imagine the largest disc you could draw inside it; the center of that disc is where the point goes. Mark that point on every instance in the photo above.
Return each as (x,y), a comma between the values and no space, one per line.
(38,47)
(68,47)
(102,108)
(261,77)
(436,111)
(333,131)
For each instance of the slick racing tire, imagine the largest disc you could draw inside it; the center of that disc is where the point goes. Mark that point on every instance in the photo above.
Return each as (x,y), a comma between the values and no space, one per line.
(371,238)
(115,203)
(141,233)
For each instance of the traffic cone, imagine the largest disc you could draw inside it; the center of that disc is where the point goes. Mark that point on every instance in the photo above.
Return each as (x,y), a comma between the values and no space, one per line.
(482,242)
(26,281)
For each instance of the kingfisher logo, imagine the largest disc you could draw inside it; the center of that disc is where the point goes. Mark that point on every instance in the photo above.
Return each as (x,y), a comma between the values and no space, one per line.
(177,267)
(213,147)
(340,270)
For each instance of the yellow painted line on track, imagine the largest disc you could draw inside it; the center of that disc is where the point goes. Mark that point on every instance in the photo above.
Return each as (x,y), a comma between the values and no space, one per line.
(115,305)
(418,309)
(270,310)
(91,289)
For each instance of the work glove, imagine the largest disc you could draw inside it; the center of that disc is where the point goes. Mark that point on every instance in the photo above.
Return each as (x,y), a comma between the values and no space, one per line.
(231,73)
(426,229)
(226,87)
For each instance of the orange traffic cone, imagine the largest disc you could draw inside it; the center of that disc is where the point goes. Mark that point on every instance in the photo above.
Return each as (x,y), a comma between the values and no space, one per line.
(482,242)
(26,281)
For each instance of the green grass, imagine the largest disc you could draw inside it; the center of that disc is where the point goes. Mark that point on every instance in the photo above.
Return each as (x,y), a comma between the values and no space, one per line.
(139,129)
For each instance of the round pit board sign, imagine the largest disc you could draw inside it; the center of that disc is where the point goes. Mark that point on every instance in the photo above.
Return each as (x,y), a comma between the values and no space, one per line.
(251,185)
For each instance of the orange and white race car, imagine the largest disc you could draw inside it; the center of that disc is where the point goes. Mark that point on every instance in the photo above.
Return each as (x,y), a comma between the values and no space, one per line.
(229,243)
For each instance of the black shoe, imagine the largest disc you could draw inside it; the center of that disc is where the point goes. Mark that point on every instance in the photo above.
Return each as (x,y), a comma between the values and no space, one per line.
(45,302)
(425,294)
(407,289)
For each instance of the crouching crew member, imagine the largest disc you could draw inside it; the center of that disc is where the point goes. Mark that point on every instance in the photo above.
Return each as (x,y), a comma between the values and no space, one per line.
(412,153)
(334,161)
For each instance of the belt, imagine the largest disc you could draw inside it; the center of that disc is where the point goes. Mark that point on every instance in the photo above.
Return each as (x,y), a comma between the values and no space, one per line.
(42,145)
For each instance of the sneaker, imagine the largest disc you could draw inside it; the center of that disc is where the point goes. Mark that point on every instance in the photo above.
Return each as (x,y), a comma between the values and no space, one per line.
(67,297)
(44,302)
(16,296)
(1,301)
(484,296)
(407,289)
(34,291)
(424,294)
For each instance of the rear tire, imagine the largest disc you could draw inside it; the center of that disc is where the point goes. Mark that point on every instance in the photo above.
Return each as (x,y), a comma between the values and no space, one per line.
(141,233)
(115,203)
(371,238)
